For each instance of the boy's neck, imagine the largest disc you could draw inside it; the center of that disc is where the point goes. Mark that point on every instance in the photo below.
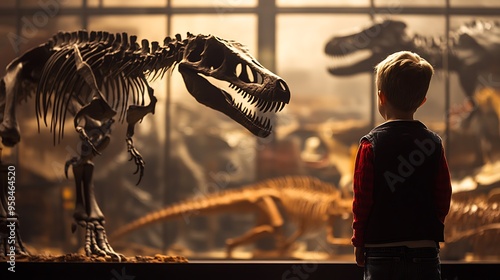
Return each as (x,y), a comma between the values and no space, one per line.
(402,118)
(392,116)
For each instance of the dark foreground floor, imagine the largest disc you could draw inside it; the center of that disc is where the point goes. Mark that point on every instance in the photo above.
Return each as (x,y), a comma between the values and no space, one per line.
(237,270)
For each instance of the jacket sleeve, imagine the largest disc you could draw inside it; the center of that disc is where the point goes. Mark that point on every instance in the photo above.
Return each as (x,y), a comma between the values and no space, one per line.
(442,192)
(363,191)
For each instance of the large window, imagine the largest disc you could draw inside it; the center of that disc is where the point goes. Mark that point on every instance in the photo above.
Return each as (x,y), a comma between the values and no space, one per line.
(193,151)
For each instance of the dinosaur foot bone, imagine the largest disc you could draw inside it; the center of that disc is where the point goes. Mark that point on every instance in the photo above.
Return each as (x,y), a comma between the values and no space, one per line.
(96,241)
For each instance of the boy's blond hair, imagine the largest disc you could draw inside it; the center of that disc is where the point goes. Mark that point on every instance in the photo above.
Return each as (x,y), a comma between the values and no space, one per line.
(404,78)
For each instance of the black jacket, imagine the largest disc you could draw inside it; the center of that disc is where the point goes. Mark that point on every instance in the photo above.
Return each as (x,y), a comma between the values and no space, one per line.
(406,160)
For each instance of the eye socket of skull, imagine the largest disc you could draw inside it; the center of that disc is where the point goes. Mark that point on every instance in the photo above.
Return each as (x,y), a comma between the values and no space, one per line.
(213,57)
(207,53)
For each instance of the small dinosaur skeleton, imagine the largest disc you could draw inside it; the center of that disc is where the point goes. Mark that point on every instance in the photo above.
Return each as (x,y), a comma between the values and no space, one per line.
(97,76)
(473,224)
(309,202)
(312,204)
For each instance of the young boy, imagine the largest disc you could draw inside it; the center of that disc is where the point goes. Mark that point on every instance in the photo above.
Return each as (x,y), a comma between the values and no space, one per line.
(401,184)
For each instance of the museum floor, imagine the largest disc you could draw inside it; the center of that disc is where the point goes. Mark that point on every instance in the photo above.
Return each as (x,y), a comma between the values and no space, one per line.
(259,270)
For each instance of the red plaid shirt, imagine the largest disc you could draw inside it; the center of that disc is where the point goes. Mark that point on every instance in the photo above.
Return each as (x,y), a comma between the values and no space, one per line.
(363,191)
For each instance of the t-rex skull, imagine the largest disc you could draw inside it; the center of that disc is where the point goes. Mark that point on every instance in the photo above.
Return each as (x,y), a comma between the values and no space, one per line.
(229,61)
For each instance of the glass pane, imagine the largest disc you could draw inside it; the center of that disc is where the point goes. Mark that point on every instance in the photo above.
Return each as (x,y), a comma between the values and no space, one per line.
(191,150)
(324,3)
(214,3)
(474,149)
(210,152)
(320,99)
(327,114)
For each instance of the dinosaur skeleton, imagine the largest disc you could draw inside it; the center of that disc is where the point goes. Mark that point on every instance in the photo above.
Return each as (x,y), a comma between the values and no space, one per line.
(473,223)
(99,76)
(474,54)
(307,201)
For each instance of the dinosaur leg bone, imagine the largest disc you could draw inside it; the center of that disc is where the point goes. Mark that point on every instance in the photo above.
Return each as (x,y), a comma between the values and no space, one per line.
(89,215)
(287,244)
(87,212)
(136,113)
(9,129)
(271,224)
(330,233)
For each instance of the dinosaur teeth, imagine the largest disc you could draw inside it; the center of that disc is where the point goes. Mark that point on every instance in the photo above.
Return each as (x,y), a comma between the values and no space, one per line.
(273,107)
(268,106)
(253,99)
(249,105)
(259,103)
(282,106)
(341,61)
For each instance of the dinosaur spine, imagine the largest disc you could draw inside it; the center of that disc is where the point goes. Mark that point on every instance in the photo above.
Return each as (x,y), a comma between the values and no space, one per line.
(122,68)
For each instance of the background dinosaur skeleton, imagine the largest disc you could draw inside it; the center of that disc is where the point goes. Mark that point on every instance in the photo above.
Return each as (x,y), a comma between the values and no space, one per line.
(309,203)
(474,55)
(312,205)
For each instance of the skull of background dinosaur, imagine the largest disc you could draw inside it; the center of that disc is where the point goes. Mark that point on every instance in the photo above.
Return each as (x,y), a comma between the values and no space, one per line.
(360,51)
(251,91)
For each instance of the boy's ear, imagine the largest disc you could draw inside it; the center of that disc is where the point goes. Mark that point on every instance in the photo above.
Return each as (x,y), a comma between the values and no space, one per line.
(423,101)
(381,97)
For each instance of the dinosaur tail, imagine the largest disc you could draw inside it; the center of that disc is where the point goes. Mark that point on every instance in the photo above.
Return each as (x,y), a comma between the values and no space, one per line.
(230,200)
(151,218)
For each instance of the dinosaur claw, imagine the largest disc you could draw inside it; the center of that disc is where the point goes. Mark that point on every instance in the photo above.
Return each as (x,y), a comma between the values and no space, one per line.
(138,168)
(96,240)
(136,156)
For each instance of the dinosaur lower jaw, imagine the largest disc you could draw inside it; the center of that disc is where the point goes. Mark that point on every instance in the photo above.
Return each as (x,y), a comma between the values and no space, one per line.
(354,63)
(212,96)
